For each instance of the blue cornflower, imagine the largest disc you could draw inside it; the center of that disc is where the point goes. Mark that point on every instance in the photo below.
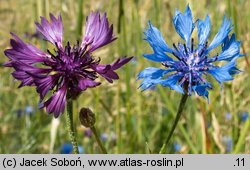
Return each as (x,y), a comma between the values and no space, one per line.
(228,142)
(67,148)
(29,110)
(187,65)
(104,137)
(177,147)
(81,149)
(113,136)
(244,116)
(19,112)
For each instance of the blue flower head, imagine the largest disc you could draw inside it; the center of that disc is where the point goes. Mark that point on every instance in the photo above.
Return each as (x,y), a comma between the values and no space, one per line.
(67,148)
(244,116)
(104,137)
(177,147)
(187,65)
(228,143)
(29,110)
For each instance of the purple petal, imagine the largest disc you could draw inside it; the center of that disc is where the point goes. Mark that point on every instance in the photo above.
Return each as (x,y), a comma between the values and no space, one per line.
(56,104)
(26,80)
(8,64)
(45,84)
(110,76)
(86,83)
(101,69)
(98,33)
(107,71)
(20,66)
(23,52)
(53,31)
(22,73)
(120,62)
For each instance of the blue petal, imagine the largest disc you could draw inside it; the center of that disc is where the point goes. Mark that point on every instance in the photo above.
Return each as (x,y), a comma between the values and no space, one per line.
(184,25)
(230,49)
(149,83)
(158,57)
(204,28)
(225,28)
(156,40)
(230,52)
(67,148)
(228,41)
(81,149)
(152,72)
(234,70)
(201,90)
(171,82)
(225,72)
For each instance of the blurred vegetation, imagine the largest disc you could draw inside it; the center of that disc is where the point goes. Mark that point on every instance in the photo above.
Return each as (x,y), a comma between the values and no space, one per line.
(129,121)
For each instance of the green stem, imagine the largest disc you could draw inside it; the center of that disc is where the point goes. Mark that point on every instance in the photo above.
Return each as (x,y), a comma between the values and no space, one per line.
(98,140)
(70,126)
(242,138)
(180,110)
(79,18)
(121,14)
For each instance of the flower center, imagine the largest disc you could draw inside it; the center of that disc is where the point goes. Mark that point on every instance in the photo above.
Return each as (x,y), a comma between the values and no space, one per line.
(73,62)
(191,64)
(190,59)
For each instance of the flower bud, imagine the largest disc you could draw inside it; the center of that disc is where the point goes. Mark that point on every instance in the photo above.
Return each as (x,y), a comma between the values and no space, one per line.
(87,117)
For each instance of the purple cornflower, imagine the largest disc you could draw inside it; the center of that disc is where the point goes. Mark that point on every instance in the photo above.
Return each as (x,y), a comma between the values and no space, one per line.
(88,133)
(228,116)
(187,73)
(66,71)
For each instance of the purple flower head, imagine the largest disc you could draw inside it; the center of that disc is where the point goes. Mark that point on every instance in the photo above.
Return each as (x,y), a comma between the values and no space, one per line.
(228,116)
(187,65)
(104,137)
(88,133)
(66,71)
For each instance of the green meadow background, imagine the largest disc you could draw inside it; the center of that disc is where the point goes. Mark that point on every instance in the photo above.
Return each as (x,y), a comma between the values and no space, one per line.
(128,120)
